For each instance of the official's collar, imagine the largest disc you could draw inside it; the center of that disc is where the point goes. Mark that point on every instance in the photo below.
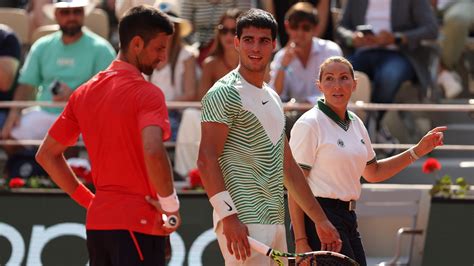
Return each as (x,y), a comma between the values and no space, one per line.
(344,124)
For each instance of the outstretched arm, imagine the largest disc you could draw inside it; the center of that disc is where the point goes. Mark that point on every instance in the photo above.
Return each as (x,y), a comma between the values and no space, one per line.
(386,168)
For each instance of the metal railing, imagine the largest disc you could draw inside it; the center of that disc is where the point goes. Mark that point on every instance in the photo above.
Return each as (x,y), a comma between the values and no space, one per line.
(469,108)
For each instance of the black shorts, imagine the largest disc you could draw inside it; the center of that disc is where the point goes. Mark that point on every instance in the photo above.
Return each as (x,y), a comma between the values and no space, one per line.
(124,248)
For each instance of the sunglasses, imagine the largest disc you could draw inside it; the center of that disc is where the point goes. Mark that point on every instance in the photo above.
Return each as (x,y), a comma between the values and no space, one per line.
(303,27)
(224,30)
(68,11)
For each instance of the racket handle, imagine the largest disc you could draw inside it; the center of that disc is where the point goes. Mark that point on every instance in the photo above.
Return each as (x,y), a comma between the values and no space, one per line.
(170,222)
(259,246)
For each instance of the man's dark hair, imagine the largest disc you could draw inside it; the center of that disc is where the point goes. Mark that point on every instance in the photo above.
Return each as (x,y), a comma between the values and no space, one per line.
(302,12)
(257,18)
(144,21)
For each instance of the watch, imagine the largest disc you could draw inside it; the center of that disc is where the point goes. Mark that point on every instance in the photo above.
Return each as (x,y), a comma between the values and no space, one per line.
(398,38)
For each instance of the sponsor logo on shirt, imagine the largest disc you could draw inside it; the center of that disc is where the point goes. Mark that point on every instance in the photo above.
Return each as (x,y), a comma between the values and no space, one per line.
(64,61)
(340,143)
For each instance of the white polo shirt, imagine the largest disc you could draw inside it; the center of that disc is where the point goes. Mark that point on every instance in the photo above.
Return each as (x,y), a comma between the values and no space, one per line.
(335,151)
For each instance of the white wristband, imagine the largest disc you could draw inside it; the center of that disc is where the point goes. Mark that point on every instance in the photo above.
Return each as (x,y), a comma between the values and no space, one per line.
(169,203)
(223,204)
(413,154)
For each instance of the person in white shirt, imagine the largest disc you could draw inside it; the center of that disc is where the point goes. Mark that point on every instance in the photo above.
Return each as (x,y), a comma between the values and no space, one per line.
(385,39)
(333,148)
(293,67)
(177,75)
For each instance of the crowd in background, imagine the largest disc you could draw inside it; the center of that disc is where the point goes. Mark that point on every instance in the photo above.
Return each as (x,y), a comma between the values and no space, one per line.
(388,42)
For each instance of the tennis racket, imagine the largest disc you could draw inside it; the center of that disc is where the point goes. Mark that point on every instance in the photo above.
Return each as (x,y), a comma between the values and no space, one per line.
(319,258)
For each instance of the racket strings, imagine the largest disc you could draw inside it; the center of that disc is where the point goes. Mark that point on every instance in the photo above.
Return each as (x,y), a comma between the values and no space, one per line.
(324,260)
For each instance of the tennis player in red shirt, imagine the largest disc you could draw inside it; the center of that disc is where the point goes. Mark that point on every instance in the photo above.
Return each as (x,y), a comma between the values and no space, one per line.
(123,120)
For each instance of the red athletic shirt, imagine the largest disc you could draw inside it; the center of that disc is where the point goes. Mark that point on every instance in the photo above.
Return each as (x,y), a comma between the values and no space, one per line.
(110,111)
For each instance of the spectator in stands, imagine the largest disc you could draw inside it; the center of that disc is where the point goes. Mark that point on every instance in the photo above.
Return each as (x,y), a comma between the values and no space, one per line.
(204,16)
(176,76)
(66,58)
(36,15)
(458,19)
(293,67)
(223,57)
(122,6)
(221,61)
(10,56)
(387,46)
(13,3)
(325,24)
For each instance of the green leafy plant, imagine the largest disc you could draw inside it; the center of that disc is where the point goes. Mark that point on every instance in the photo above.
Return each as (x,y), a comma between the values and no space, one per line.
(444,186)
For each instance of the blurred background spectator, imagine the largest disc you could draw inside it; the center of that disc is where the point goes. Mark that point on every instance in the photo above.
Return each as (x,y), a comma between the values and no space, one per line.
(176,77)
(457,18)
(325,28)
(66,59)
(295,67)
(10,56)
(223,58)
(13,3)
(121,6)
(36,15)
(384,40)
(204,16)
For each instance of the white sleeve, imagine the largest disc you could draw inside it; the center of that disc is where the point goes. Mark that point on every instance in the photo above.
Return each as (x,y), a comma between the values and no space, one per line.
(304,144)
(368,144)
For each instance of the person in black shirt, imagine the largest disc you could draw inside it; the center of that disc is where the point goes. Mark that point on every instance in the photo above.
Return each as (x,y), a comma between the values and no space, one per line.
(10,55)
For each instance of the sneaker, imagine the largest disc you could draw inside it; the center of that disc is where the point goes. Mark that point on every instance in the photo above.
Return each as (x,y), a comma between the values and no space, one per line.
(451,83)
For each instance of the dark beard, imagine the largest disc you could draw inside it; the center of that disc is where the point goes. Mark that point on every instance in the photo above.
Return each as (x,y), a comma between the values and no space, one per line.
(147,70)
(71,30)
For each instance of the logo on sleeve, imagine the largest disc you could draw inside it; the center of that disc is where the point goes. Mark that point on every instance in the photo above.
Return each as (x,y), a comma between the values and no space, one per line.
(264,102)
(228,205)
(362,141)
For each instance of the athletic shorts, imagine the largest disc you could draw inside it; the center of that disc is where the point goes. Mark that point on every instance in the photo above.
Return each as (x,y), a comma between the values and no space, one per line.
(274,235)
(124,248)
